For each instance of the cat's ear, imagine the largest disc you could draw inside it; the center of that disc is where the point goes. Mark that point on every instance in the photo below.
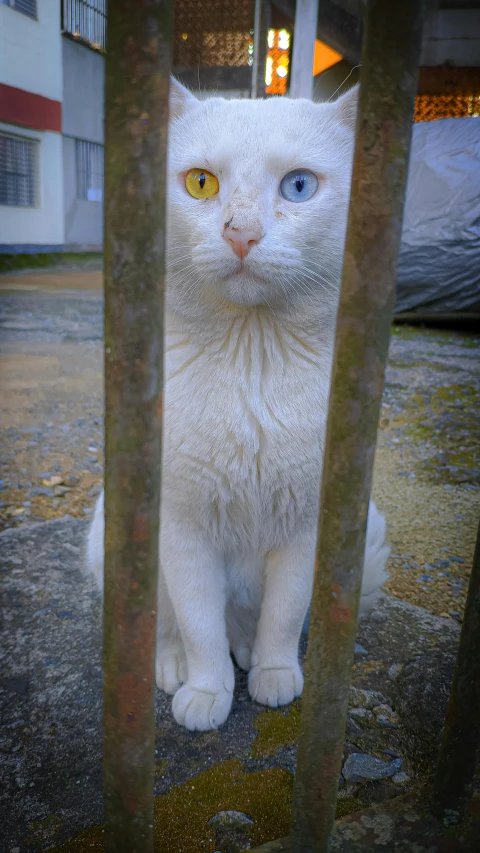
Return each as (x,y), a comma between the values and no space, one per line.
(180,99)
(346,107)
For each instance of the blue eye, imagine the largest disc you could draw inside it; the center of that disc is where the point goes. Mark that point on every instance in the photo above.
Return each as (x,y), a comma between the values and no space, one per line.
(299,185)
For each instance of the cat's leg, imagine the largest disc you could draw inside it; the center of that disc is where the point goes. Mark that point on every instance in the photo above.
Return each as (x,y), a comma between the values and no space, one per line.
(170,657)
(170,660)
(194,574)
(245,581)
(241,628)
(276,678)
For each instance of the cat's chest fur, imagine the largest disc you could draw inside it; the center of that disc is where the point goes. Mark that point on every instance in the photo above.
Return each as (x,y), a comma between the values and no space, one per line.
(245,407)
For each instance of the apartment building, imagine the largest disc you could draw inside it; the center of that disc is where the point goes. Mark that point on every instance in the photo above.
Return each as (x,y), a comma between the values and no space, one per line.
(51,124)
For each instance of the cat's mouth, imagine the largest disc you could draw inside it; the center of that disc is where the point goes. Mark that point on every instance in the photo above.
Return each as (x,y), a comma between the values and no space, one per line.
(243,269)
(246,285)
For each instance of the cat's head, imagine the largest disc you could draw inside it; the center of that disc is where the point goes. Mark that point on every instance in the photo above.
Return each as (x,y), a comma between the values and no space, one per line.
(258,198)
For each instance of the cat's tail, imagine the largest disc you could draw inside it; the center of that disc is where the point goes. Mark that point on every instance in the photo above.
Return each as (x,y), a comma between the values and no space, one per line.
(375,564)
(94,556)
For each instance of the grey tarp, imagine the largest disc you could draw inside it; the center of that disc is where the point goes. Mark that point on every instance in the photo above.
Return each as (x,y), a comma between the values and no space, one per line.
(439,265)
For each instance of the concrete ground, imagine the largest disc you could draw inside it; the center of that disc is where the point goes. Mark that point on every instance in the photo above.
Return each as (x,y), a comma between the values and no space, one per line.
(427,482)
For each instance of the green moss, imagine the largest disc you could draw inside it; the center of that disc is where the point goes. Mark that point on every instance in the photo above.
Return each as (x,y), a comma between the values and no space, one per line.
(276,728)
(181,816)
(347,805)
(43,830)
(10,262)
(161,768)
(446,421)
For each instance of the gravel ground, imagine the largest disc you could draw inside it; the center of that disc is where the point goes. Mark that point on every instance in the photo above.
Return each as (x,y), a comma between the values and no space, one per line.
(427,474)
(51,711)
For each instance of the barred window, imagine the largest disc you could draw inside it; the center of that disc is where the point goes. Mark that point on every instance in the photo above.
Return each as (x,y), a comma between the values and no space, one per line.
(86,20)
(18,171)
(27,7)
(89,161)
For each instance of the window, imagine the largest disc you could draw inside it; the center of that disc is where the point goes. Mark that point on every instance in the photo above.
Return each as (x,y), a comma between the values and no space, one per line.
(89,160)
(18,171)
(28,7)
(86,20)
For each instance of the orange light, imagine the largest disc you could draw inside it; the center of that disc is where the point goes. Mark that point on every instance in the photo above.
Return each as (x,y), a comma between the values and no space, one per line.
(324,57)
(278,59)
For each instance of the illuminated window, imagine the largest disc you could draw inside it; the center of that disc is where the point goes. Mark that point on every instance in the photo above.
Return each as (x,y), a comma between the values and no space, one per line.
(278,62)
(434,107)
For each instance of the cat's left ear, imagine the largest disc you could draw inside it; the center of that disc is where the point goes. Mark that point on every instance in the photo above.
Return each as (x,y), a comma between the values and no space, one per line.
(180,99)
(346,108)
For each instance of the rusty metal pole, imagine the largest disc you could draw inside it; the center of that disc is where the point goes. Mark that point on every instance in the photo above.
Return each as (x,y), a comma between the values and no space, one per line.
(390,58)
(136,115)
(460,749)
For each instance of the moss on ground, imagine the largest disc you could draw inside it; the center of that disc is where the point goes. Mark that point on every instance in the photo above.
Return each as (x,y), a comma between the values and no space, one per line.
(276,728)
(181,816)
(43,260)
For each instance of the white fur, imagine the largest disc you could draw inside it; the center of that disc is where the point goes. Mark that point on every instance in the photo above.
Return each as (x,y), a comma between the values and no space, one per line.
(248,354)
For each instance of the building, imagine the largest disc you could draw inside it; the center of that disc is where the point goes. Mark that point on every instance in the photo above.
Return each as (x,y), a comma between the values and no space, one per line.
(51,124)
(52,91)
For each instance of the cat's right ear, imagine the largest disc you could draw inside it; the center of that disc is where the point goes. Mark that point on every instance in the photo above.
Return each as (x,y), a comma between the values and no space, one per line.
(180,99)
(346,107)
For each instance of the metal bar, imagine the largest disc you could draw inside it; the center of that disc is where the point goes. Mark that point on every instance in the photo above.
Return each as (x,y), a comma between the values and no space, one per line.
(391,54)
(260,47)
(137,84)
(305,33)
(460,749)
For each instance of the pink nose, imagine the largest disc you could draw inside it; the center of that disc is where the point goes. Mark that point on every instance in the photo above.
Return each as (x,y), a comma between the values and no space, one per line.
(242,241)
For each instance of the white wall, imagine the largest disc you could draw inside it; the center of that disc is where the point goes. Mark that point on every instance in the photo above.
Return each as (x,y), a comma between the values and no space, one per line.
(31,51)
(83,92)
(44,224)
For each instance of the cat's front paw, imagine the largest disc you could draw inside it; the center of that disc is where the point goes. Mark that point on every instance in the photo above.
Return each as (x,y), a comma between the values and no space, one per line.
(200,710)
(275,686)
(170,667)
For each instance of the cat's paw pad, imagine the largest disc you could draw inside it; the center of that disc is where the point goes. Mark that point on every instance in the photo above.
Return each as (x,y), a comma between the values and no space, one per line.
(170,668)
(276,686)
(200,710)
(243,656)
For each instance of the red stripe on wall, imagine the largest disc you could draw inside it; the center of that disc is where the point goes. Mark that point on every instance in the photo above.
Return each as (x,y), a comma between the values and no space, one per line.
(29,110)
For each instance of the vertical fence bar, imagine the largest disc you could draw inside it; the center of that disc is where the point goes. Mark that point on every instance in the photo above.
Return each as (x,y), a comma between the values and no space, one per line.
(305,33)
(390,60)
(136,112)
(460,749)
(260,47)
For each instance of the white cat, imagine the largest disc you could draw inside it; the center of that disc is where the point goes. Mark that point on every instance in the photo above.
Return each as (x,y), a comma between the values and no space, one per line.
(257,210)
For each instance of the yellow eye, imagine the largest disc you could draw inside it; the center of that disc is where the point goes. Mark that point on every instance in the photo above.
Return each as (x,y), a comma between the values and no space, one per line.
(201,184)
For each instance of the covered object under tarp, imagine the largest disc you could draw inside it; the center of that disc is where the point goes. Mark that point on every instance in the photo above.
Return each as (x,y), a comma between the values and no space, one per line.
(439,265)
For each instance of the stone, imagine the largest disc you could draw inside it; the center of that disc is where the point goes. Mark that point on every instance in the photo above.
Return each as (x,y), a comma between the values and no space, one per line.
(421,691)
(53,481)
(381,710)
(360,768)
(361,714)
(61,491)
(231,818)
(42,490)
(71,480)
(358,698)
(401,778)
